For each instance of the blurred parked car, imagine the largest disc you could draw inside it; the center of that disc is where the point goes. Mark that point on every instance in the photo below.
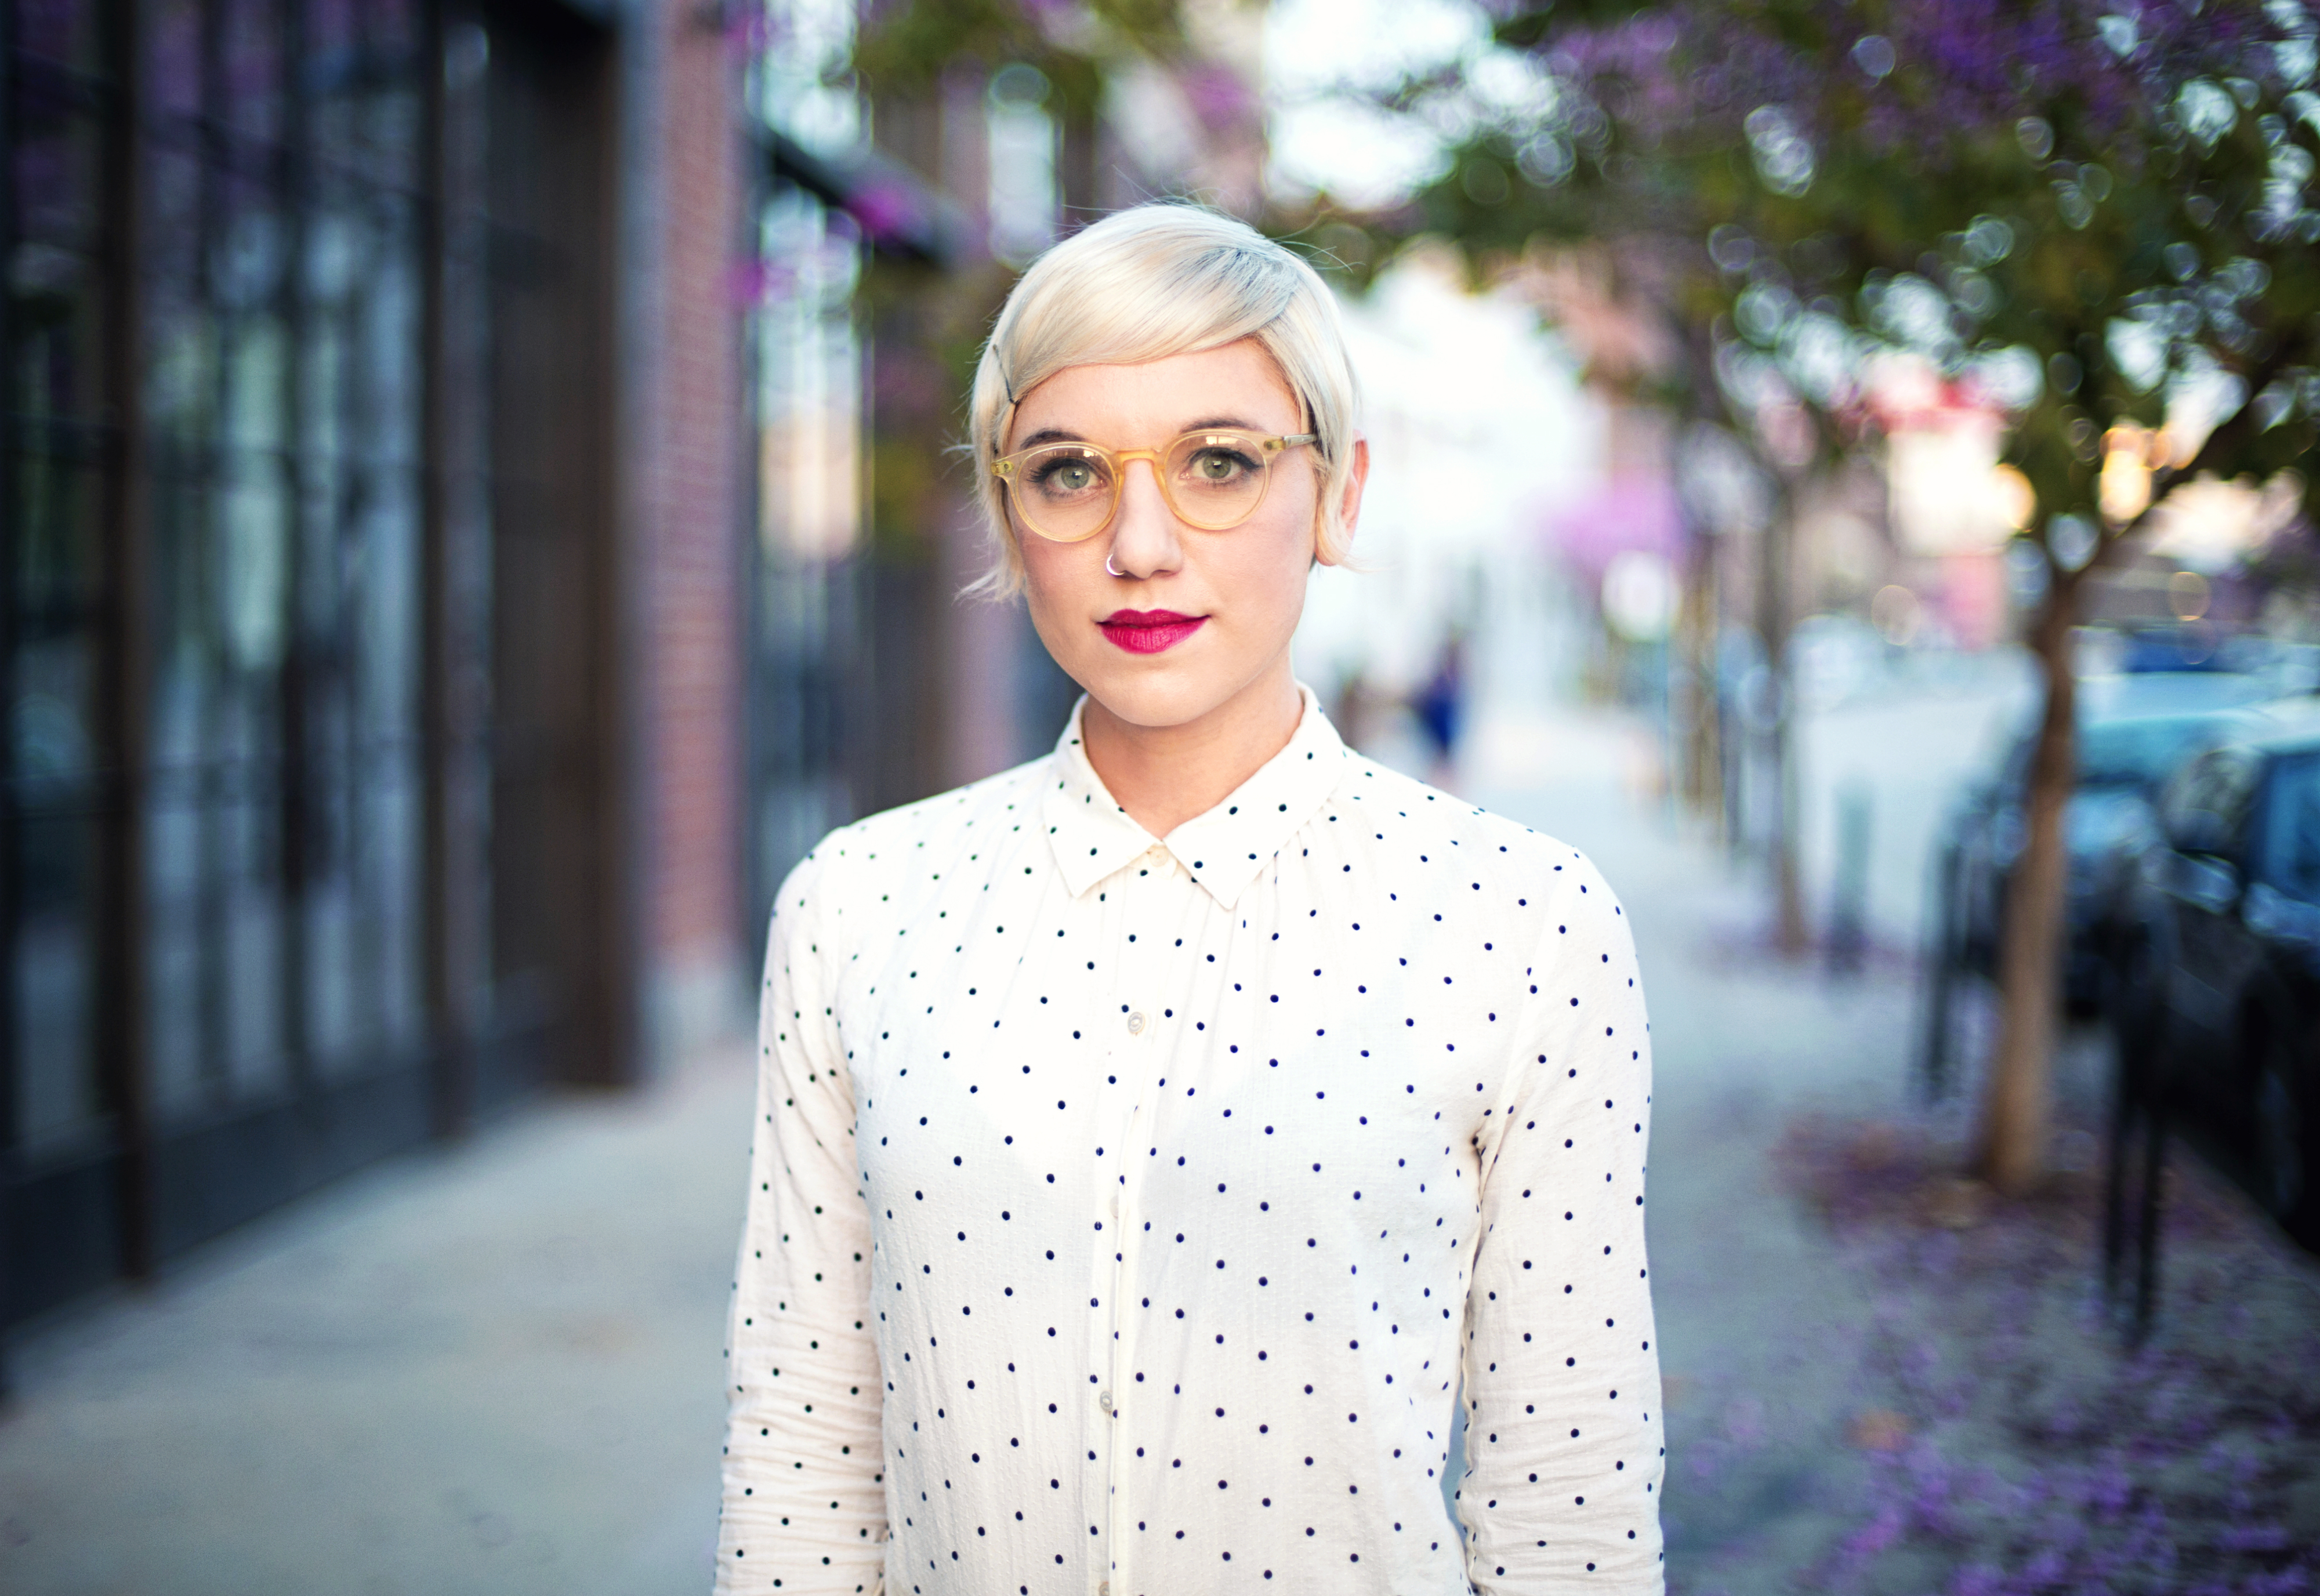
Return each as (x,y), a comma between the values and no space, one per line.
(2133,732)
(2219,1003)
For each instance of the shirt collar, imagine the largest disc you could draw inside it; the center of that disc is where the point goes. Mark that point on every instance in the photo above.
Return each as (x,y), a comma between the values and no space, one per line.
(1224,849)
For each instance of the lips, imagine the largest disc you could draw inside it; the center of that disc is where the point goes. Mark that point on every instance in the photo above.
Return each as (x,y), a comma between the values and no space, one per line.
(1149,631)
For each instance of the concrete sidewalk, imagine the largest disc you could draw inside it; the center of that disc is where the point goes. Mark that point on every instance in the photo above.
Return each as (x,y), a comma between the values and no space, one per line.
(1761,1330)
(491,1369)
(496,1368)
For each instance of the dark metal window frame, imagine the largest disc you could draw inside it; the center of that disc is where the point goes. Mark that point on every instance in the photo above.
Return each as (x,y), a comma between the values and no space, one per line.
(149,1188)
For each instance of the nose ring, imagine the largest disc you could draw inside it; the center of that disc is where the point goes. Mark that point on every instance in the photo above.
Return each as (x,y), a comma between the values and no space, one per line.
(1110,569)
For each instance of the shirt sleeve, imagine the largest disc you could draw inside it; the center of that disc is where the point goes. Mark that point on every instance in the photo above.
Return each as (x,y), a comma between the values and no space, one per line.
(1564,1441)
(804,1507)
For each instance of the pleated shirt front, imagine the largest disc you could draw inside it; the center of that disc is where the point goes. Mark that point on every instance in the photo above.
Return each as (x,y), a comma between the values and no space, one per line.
(1125,1213)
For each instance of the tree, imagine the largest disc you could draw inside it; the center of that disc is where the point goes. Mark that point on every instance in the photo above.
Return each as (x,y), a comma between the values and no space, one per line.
(908,45)
(2096,213)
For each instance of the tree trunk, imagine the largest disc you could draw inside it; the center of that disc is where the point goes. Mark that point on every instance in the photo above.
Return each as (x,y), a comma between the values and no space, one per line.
(2017,1097)
(1698,742)
(1774,580)
(1788,892)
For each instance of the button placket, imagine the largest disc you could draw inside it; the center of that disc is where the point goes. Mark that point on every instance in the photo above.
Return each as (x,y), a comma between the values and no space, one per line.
(1138,1055)
(1105,1283)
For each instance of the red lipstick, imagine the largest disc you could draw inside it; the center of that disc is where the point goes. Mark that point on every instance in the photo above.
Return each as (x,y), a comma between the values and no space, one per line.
(1148,631)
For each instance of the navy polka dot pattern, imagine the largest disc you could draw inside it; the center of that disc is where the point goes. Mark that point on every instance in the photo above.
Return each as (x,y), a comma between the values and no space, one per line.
(1125,1215)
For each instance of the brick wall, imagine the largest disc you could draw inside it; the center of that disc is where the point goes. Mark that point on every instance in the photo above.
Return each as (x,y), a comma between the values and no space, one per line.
(693,617)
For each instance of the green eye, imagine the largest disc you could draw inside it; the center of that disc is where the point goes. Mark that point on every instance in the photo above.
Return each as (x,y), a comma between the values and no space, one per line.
(1216,468)
(1066,476)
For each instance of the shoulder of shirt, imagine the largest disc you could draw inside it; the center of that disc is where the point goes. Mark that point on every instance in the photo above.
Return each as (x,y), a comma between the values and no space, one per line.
(1509,846)
(894,843)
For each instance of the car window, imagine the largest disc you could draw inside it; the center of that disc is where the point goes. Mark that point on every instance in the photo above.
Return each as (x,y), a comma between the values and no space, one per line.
(2291,828)
(2141,751)
(2205,808)
(2137,750)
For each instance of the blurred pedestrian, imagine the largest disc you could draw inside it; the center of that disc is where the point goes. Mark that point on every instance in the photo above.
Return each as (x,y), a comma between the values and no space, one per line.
(1440,708)
(1151,1138)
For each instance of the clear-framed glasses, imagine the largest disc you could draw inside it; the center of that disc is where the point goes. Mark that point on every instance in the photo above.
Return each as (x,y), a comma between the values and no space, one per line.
(1213,479)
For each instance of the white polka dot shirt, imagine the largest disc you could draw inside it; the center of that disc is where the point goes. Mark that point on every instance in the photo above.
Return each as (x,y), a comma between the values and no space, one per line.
(1125,1214)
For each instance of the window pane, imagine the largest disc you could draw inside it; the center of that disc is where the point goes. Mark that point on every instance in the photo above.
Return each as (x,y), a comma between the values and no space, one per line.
(59,31)
(62,436)
(253,103)
(173,67)
(57,787)
(2292,830)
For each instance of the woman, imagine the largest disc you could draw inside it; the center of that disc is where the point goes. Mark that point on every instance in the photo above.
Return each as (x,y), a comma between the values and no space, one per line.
(1151,1140)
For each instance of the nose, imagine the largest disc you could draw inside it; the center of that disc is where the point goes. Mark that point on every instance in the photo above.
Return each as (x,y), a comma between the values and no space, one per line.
(1145,541)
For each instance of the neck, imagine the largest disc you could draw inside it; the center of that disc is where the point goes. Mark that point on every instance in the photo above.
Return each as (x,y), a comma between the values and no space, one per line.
(1163,776)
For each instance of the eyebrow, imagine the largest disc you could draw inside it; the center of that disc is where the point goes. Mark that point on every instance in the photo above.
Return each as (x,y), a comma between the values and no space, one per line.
(1208,424)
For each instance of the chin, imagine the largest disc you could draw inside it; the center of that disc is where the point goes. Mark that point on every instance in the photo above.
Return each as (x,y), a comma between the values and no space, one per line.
(1157,699)
(1184,685)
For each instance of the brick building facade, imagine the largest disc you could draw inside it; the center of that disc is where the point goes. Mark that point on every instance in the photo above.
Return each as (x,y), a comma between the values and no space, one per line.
(373,617)
(693,494)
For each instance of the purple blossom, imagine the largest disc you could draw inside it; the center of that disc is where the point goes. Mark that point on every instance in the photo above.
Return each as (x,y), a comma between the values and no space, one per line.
(1880,1534)
(2110,1490)
(1218,96)
(2149,1474)
(2255,1538)
(1962,72)
(1979,1579)
(884,209)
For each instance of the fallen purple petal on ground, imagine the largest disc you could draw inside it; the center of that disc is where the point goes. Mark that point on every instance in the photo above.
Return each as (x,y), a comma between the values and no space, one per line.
(2032,1454)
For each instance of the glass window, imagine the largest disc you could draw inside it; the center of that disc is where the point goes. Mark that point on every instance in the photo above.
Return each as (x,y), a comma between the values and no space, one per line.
(357,613)
(2291,828)
(2143,751)
(58,496)
(281,287)
(808,360)
(2205,807)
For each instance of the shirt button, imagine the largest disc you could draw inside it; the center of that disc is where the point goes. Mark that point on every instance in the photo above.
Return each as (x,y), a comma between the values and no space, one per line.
(1103,1400)
(1135,1023)
(1104,1589)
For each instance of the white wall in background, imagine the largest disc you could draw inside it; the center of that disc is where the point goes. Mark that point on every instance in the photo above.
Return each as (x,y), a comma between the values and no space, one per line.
(1478,433)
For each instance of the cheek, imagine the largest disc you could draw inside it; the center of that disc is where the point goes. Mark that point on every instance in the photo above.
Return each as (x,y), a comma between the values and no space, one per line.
(1056,582)
(1268,565)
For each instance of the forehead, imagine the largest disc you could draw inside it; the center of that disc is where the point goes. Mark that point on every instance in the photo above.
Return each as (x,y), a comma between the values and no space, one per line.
(1127,405)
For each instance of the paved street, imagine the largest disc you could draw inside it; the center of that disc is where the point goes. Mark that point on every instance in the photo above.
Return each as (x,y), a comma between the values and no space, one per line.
(496,1368)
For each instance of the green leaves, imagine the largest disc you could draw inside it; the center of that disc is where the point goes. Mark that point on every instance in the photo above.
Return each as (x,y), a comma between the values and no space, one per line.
(2077,208)
(907,47)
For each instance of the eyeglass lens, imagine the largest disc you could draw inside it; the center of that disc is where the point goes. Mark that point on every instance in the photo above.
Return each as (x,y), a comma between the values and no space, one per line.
(1213,480)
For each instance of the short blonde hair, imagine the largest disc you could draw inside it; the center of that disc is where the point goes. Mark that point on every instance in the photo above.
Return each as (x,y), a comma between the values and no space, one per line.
(1162,279)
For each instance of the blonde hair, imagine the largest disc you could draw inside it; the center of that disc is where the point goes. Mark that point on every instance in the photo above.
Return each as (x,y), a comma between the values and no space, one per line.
(1162,279)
